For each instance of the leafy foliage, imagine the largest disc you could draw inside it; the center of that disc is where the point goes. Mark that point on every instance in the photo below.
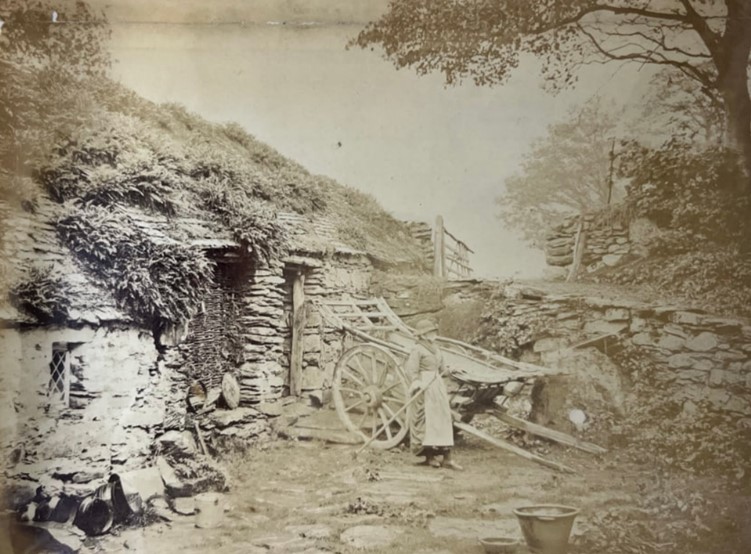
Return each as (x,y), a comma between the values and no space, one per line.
(700,251)
(678,107)
(155,282)
(565,172)
(661,433)
(485,41)
(112,162)
(43,64)
(42,295)
(688,190)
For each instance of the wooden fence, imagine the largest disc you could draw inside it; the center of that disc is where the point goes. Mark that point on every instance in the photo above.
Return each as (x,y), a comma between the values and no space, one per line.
(450,255)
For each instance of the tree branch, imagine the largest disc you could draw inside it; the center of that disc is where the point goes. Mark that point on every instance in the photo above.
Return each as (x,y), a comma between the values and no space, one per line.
(685,67)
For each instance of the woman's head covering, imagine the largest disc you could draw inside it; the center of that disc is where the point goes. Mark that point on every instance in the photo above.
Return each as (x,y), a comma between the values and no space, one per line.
(424,327)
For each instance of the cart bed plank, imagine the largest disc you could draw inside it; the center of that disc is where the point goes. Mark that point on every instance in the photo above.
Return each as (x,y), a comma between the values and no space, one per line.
(505,445)
(551,434)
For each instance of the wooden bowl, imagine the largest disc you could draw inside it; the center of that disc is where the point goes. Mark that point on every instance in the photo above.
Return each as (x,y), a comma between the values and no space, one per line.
(499,545)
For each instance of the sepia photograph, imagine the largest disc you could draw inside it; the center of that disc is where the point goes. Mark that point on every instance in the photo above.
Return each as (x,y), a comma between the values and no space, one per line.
(375,276)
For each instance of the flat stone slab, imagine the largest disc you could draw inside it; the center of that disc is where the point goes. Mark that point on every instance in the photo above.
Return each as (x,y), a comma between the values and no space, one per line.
(313,531)
(411,476)
(472,529)
(285,543)
(370,536)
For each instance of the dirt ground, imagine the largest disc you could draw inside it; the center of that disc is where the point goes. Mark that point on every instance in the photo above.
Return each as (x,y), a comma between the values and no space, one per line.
(313,497)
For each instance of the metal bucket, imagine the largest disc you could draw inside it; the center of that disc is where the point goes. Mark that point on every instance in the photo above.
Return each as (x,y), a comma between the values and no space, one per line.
(546,527)
(94,516)
(209,508)
(126,501)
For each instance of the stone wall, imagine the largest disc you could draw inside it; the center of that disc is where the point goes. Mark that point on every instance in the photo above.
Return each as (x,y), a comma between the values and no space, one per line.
(423,233)
(705,358)
(116,407)
(605,242)
(338,276)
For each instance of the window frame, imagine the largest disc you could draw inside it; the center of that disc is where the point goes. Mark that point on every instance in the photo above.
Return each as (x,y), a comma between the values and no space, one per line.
(59,366)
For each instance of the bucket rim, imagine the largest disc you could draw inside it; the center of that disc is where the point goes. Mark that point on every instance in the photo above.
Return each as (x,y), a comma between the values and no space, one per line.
(569,511)
(499,541)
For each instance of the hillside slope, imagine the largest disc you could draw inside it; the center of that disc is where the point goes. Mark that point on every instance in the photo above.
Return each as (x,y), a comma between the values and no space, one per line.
(113,155)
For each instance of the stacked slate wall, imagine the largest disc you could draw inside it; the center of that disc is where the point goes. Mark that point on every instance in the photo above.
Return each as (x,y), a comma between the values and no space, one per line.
(338,276)
(605,242)
(705,359)
(423,234)
(240,330)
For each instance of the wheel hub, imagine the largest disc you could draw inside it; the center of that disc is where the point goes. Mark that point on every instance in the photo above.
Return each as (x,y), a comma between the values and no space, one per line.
(373,396)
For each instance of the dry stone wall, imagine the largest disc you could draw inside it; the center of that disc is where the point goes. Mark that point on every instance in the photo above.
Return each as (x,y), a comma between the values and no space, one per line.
(338,276)
(117,404)
(706,359)
(263,328)
(605,242)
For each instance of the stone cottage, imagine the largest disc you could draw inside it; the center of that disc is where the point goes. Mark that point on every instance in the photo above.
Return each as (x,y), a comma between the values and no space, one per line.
(92,392)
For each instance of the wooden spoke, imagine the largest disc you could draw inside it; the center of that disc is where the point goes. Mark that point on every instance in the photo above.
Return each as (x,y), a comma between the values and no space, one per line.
(391,387)
(392,413)
(384,375)
(351,375)
(355,405)
(368,389)
(386,424)
(363,371)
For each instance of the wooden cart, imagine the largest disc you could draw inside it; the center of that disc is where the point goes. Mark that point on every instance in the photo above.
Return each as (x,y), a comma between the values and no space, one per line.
(370,388)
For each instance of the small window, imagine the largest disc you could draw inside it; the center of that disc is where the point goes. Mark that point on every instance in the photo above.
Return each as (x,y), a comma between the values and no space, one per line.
(58,390)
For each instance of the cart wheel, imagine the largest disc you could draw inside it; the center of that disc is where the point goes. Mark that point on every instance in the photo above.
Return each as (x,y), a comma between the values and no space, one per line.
(369,389)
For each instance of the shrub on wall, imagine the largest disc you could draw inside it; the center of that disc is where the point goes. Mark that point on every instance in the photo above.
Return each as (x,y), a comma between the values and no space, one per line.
(154,282)
(42,295)
(694,193)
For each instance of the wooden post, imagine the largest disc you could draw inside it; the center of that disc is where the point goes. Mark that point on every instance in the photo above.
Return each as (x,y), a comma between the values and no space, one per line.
(298,330)
(439,249)
(610,172)
(581,239)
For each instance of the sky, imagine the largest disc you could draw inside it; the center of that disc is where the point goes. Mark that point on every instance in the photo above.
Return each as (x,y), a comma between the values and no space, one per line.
(280,69)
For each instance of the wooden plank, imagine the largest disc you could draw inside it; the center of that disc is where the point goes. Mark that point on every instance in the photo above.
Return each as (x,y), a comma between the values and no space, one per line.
(581,239)
(392,317)
(361,313)
(532,369)
(366,337)
(298,330)
(505,445)
(551,434)
(459,241)
(439,251)
(369,302)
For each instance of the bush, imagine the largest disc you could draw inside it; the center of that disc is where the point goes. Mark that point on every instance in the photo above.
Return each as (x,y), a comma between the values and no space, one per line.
(42,295)
(694,193)
(154,282)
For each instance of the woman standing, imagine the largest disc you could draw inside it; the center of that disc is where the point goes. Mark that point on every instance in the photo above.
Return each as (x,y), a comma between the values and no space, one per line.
(431,424)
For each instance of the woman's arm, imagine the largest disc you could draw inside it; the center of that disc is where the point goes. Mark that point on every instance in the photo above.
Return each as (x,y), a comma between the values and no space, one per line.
(412,365)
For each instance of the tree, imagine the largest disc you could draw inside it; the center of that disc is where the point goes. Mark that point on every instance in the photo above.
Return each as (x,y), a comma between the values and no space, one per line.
(674,108)
(567,171)
(708,41)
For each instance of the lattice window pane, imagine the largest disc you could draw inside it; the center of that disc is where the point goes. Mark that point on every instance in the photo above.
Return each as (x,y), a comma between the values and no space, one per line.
(59,385)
